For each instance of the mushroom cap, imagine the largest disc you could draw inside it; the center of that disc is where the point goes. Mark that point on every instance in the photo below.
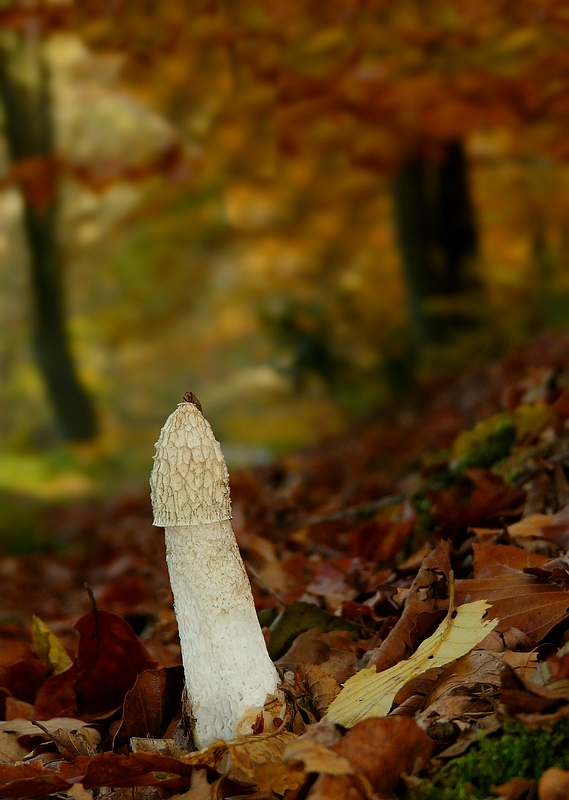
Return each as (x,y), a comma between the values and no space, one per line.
(189,482)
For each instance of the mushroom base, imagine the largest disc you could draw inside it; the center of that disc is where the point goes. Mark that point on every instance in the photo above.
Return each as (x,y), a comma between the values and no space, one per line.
(227,669)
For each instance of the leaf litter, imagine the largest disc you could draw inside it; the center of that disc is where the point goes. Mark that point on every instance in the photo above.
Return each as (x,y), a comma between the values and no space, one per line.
(350,548)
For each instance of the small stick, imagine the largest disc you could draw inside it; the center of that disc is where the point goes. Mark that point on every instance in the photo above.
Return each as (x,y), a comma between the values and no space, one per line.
(264,584)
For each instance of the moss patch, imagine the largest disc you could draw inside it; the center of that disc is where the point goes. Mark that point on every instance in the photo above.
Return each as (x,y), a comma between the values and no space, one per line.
(519,752)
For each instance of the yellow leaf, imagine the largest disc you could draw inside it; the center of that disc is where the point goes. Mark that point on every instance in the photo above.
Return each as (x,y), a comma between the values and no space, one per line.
(370,694)
(527,419)
(531,419)
(48,647)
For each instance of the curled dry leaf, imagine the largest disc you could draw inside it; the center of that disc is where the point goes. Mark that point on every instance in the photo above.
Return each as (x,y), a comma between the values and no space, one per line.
(250,759)
(78,742)
(321,687)
(150,705)
(259,760)
(425,606)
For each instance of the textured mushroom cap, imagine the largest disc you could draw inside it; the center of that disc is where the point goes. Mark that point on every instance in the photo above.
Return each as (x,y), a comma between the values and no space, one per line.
(189,482)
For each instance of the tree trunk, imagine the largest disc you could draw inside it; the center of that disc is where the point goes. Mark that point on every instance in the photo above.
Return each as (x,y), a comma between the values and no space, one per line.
(411,219)
(25,97)
(456,227)
(436,231)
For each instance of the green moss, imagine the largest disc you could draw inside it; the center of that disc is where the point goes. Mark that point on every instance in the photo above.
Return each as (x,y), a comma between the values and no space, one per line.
(519,752)
(492,448)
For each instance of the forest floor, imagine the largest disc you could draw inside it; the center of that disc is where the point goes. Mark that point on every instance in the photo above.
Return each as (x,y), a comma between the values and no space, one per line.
(354,549)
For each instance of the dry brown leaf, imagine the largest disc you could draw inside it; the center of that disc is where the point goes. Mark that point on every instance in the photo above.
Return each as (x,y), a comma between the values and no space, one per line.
(383,749)
(72,737)
(553,784)
(200,788)
(250,753)
(425,606)
(78,792)
(334,651)
(321,687)
(338,787)
(518,600)
(10,748)
(514,789)
(316,757)
(82,742)
(249,759)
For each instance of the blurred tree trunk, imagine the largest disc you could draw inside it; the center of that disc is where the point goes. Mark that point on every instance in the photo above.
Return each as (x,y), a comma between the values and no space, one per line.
(25,97)
(436,230)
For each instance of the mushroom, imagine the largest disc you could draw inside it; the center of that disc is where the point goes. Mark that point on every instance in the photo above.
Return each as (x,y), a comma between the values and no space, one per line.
(228,671)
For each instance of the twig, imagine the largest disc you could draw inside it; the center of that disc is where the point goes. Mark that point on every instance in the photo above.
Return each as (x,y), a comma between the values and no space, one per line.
(353,512)
(264,584)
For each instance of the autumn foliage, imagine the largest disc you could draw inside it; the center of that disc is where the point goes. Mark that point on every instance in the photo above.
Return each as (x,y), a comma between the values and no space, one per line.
(349,548)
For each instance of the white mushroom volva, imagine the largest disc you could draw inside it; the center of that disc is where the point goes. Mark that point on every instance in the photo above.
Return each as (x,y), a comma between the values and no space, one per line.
(227,669)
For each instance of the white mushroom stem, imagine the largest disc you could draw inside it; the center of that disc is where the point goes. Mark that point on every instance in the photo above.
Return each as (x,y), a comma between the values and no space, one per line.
(227,669)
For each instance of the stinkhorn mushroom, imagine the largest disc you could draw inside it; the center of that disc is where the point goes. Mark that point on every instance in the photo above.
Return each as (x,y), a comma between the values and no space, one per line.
(228,671)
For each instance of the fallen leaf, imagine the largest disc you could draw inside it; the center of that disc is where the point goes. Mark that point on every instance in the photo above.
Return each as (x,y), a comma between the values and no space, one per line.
(31,779)
(150,705)
(336,652)
(136,769)
(321,687)
(48,647)
(78,792)
(370,694)
(383,749)
(259,760)
(553,784)
(298,618)
(514,789)
(78,742)
(424,608)
(518,599)
(18,709)
(316,757)
(491,500)
(338,787)
(10,748)
(21,680)
(109,658)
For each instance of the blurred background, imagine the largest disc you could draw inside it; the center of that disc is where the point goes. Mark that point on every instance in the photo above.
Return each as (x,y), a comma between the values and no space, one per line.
(292,209)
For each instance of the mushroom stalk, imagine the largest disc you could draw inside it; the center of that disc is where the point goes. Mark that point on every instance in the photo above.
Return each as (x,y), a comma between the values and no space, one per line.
(228,671)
